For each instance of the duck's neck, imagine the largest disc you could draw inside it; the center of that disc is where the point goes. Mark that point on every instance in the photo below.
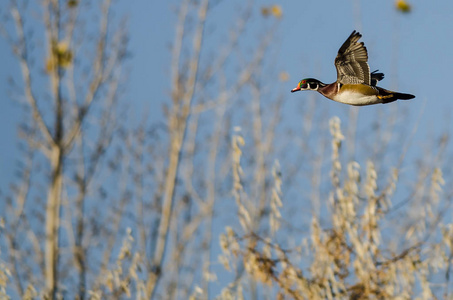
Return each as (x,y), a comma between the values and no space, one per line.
(329,90)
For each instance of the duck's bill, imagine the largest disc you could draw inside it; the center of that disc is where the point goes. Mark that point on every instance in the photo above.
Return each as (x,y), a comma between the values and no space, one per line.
(295,89)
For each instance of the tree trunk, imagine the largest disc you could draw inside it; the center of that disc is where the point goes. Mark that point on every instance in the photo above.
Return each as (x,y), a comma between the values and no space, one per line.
(53,221)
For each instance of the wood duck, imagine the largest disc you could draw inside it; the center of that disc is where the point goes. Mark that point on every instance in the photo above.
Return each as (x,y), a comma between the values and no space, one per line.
(355,84)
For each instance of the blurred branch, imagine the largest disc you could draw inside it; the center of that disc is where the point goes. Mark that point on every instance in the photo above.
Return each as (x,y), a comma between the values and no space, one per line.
(18,214)
(55,187)
(60,22)
(211,191)
(177,128)
(100,71)
(21,52)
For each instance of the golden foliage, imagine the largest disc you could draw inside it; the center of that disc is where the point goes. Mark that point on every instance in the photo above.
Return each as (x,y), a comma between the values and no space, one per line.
(260,266)
(72,3)
(276,201)
(61,56)
(273,10)
(348,258)
(403,6)
(283,76)
(5,273)
(277,11)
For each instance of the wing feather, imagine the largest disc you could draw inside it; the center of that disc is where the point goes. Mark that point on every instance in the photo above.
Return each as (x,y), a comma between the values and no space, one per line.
(352,61)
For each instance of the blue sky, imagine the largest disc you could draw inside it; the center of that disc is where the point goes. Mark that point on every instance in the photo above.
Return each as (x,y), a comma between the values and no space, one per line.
(309,36)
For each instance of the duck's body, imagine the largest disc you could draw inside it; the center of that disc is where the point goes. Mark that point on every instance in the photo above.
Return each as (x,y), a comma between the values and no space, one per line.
(360,94)
(355,84)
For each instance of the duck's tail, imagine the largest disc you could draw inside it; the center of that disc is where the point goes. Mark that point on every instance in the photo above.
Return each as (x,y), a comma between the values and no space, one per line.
(388,96)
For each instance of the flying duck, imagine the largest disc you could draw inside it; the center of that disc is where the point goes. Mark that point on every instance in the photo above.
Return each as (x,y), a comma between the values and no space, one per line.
(355,84)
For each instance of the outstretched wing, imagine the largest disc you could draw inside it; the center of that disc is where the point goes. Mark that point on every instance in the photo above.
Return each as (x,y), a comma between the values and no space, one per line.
(351,61)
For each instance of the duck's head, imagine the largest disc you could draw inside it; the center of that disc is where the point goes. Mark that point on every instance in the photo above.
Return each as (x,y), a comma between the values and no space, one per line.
(308,84)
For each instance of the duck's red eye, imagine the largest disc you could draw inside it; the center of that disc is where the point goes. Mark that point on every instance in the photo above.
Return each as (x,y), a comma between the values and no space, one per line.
(303,81)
